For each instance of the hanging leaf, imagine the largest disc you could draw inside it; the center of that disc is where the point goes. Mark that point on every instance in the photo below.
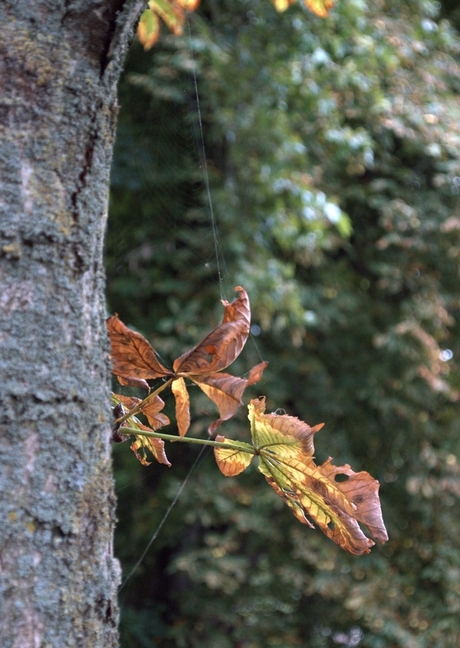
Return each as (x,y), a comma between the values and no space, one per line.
(133,359)
(335,497)
(223,345)
(171,12)
(285,447)
(203,363)
(155,446)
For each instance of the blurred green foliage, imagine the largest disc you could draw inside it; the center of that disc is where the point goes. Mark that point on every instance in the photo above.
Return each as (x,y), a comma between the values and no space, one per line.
(333,153)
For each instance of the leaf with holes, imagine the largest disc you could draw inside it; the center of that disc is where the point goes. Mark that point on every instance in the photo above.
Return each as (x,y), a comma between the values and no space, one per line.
(155,446)
(285,447)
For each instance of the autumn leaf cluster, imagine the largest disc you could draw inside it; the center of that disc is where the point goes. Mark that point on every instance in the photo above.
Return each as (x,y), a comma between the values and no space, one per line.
(335,497)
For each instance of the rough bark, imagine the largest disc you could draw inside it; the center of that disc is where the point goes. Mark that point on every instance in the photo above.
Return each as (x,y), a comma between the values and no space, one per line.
(59,65)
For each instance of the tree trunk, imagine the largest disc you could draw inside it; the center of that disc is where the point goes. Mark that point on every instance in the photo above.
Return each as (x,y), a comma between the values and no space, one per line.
(59,65)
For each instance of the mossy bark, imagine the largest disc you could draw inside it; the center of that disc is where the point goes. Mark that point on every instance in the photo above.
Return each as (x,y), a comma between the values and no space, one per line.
(59,65)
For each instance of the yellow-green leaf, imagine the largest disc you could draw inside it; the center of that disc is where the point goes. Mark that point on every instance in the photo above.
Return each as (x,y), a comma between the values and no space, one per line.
(171,12)
(335,497)
(148,29)
(232,461)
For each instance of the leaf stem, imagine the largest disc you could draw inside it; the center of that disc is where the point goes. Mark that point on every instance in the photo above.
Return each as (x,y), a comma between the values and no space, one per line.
(140,406)
(244,447)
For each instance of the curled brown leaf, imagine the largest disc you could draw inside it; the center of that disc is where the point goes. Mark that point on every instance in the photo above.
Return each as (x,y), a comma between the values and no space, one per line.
(226,391)
(133,358)
(223,344)
(156,447)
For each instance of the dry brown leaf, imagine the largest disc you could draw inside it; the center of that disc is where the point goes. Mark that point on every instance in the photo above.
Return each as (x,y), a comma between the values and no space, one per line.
(226,391)
(223,345)
(151,409)
(179,389)
(152,412)
(133,382)
(156,447)
(135,361)
(133,358)
(142,441)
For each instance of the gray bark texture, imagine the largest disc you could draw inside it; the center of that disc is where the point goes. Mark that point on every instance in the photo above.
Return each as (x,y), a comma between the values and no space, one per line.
(59,65)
